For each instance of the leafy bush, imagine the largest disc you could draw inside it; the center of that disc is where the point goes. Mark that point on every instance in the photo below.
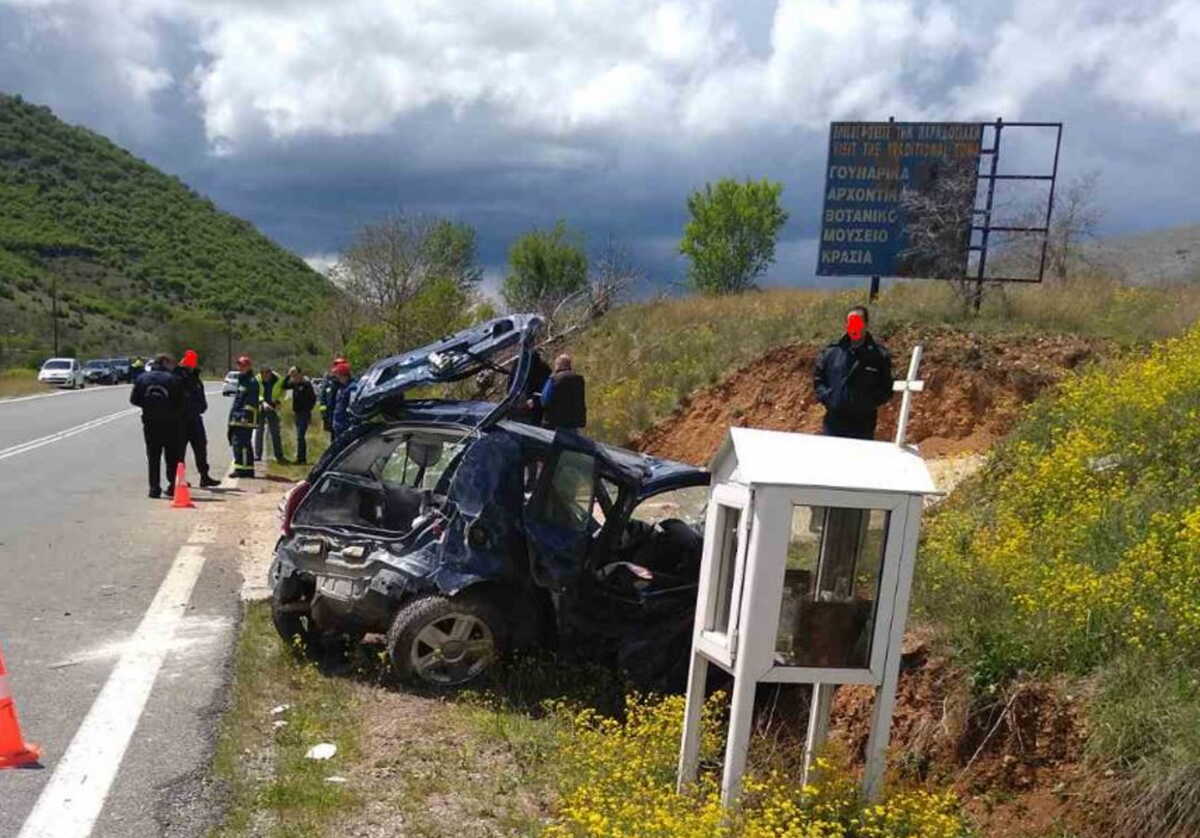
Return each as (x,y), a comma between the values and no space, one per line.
(618,780)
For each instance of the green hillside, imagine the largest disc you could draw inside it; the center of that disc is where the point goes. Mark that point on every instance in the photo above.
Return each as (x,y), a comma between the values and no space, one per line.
(127,247)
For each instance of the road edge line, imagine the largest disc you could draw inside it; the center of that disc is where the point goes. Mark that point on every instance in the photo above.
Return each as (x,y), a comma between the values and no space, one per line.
(74,796)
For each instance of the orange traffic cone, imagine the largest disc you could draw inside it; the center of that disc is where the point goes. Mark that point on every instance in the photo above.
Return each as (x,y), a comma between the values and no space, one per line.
(182,498)
(14,750)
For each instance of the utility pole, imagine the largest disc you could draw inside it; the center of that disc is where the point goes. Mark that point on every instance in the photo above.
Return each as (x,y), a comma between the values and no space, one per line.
(229,339)
(54,312)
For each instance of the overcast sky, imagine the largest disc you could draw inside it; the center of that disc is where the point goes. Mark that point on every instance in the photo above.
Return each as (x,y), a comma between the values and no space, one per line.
(311,117)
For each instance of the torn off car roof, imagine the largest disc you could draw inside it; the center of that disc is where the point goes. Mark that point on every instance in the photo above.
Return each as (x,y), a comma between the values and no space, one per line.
(459,356)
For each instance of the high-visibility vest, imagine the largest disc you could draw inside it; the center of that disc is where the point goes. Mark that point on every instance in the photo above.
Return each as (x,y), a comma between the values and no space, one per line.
(275,395)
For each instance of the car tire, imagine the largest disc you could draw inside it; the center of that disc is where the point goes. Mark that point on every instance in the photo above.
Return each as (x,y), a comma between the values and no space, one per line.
(297,631)
(445,642)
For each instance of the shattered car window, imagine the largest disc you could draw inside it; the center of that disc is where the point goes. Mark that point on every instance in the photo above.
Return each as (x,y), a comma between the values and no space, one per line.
(419,461)
(688,504)
(339,501)
(567,501)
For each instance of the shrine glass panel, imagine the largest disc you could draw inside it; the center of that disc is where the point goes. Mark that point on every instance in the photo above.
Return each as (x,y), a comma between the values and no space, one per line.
(831,586)
(729,519)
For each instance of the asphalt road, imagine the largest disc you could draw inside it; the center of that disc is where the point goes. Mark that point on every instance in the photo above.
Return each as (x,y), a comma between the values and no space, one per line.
(83,553)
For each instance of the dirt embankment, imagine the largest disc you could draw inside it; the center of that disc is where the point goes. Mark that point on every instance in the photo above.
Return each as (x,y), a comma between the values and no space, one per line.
(975,387)
(1015,758)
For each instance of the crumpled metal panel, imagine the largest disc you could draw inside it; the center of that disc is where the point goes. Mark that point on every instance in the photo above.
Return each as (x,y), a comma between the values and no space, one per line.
(487,491)
(451,359)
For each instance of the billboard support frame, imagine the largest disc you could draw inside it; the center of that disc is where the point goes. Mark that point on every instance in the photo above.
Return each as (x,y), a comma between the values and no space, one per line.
(987,228)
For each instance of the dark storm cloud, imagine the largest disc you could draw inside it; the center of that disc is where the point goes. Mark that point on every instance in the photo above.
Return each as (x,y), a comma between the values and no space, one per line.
(311,120)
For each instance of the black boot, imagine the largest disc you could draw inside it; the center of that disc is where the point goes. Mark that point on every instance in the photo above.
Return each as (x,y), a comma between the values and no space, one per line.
(207,482)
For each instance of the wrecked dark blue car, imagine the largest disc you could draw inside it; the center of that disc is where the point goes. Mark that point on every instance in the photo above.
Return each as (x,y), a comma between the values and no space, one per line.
(461,534)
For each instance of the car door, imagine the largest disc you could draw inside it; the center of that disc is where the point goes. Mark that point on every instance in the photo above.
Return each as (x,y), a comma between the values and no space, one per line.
(558,517)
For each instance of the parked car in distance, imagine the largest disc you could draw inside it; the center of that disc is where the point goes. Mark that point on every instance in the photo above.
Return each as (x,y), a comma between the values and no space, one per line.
(62,372)
(121,368)
(99,371)
(460,534)
(230,384)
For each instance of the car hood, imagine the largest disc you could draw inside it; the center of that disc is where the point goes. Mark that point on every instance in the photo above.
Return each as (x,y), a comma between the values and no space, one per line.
(381,388)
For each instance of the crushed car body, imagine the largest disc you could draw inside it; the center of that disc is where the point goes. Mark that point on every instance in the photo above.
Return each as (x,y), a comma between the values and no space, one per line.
(460,534)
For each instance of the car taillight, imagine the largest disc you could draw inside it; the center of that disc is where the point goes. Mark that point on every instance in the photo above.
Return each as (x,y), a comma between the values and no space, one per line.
(291,502)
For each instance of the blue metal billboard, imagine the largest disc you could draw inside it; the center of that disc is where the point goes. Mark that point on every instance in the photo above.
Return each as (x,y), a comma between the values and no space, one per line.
(863,223)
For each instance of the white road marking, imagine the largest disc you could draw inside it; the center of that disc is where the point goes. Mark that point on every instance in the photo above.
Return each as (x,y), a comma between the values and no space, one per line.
(95,388)
(72,799)
(14,450)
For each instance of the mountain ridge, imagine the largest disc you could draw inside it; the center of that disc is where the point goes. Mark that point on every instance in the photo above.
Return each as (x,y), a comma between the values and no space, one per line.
(124,246)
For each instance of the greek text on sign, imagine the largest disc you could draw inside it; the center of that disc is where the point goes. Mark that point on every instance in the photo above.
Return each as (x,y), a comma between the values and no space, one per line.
(863,223)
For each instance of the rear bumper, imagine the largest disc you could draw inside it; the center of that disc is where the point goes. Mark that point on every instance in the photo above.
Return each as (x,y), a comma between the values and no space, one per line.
(341,597)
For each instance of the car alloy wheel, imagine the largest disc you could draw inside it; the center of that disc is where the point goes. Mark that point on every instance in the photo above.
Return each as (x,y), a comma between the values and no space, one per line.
(452,650)
(446,642)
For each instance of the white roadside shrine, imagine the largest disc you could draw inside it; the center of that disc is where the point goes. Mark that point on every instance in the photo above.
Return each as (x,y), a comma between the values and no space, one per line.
(809,548)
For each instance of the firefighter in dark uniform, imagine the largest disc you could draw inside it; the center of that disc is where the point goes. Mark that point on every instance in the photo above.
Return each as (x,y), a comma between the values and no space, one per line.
(564,397)
(853,378)
(243,419)
(327,398)
(194,405)
(347,388)
(159,394)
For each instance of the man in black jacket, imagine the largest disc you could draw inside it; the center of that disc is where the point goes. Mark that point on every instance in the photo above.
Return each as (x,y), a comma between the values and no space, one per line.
(160,396)
(194,405)
(564,397)
(304,398)
(853,377)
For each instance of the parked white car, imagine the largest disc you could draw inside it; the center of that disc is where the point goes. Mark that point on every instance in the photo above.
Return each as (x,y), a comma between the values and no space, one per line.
(230,385)
(62,372)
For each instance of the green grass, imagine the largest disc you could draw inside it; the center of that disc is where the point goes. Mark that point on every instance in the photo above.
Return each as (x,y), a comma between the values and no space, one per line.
(318,441)
(642,359)
(273,789)
(20,382)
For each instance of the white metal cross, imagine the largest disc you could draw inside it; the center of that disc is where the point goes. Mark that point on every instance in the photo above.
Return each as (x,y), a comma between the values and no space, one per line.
(908,386)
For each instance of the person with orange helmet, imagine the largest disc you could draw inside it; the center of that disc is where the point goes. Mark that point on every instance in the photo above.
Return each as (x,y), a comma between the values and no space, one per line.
(328,398)
(347,386)
(194,405)
(243,418)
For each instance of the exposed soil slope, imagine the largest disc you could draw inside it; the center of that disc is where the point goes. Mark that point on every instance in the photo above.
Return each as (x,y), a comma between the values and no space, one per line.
(1016,759)
(975,386)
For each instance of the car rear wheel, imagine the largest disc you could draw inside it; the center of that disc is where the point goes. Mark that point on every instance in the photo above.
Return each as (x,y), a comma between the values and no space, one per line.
(295,626)
(443,641)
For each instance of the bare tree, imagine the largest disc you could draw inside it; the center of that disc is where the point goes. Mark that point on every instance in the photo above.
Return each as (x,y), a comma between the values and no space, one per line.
(391,262)
(938,217)
(342,314)
(1075,220)
(612,272)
